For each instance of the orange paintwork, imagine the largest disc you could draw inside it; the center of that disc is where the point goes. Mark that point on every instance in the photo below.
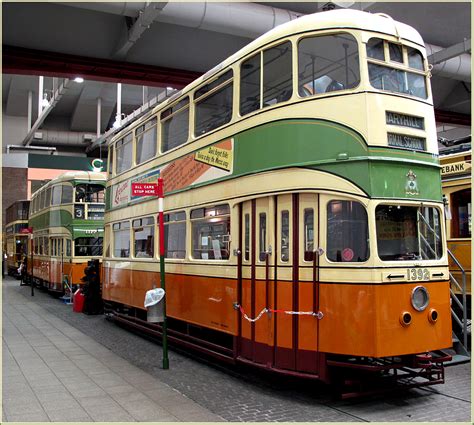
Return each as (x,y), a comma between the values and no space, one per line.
(50,270)
(199,300)
(364,320)
(358,319)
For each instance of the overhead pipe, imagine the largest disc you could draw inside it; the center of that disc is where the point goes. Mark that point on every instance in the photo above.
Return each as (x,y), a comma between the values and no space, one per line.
(247,20)
(62,138)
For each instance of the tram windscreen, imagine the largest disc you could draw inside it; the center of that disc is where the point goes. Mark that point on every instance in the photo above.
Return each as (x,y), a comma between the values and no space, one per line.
(88,247)
(407,233)
(90,193)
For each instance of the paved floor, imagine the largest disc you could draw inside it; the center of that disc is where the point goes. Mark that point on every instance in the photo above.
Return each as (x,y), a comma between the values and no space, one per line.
(236,394)
(53,372)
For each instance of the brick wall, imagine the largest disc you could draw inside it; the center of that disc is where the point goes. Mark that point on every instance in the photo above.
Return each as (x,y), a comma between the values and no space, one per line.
(14,187)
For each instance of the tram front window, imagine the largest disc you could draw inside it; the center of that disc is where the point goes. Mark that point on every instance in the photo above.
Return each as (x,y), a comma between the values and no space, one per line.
(90,193)
(408,233)
(88,247)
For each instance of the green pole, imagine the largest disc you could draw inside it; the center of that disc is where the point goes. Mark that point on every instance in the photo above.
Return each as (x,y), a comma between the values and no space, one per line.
(166,363)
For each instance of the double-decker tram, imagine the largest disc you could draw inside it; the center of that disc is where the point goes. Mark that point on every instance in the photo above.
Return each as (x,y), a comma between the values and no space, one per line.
(16,236)
(304,223)
(67,218)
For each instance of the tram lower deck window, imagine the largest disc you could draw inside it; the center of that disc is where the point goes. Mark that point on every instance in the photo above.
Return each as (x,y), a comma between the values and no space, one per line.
(408,233)
(347,232)
(121,239)
(87,247)
(211,233)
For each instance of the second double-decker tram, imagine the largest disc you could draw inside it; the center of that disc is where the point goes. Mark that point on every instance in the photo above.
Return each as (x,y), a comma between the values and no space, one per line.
(67,218)
(303,214)
(16,235)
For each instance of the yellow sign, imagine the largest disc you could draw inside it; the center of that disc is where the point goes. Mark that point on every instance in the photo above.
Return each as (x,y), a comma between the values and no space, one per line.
(216,157)
(456,168)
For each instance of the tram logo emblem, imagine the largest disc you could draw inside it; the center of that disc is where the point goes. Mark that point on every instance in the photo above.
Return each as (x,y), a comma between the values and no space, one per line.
(411,186)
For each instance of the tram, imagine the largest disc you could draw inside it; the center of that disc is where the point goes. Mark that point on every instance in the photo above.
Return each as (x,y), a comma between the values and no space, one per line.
(67,220)
(304,223)
(16,235)
(456,186)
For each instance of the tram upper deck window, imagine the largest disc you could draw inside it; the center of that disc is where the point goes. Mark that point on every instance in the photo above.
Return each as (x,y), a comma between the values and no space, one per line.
(211,233)
(66,194)
(327,63)
(121,239)
(277,74)
(111,160)
(56,197)
(386,77)
(250,85)
(90,193)
(408,233)
(213,107)
(88,247)
(175,125)
(145,136)
(175,235)
(347,232)
(123,150)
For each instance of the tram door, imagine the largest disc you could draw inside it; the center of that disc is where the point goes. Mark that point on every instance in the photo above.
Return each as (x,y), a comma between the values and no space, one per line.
(278,236)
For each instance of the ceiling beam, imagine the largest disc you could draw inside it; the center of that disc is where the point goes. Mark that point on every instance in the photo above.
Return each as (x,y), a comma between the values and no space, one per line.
(450,52)
(145,18)
(447,117)
(18,60)
(45,112)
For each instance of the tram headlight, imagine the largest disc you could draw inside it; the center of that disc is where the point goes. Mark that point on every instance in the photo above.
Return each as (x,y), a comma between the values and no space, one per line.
(420,298)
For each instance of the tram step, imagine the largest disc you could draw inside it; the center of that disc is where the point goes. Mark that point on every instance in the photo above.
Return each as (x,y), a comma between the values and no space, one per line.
(458,359)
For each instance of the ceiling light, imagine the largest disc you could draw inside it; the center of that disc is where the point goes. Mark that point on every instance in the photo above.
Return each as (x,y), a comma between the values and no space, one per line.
(79,80)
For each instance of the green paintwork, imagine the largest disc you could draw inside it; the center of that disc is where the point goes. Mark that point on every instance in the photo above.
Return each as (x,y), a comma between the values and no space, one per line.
(381,172)
(60,162)
(333,148)
(63,218)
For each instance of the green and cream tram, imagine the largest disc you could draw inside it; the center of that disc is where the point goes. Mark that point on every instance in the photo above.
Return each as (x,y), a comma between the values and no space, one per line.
(304,227)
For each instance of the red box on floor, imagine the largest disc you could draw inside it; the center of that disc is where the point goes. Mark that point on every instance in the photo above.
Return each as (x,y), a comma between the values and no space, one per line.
(78,302)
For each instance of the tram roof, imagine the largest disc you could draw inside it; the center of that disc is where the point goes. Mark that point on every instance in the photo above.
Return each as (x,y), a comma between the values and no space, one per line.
(334,19)
(343,18)
(87,176)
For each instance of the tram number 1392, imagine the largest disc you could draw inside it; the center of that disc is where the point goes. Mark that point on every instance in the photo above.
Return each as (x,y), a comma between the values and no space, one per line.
(418,274)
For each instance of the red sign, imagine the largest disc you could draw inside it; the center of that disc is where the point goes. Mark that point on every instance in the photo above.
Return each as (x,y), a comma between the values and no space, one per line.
(144,189)
(27,230)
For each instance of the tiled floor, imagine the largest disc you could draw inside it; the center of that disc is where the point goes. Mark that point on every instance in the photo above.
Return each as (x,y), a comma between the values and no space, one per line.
(53,372)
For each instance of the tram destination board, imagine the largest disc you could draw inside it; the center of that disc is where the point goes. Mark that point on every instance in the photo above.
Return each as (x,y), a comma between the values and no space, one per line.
(144,189)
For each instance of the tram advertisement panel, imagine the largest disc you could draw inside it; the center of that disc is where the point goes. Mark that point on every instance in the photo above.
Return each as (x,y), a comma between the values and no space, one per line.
(210,163)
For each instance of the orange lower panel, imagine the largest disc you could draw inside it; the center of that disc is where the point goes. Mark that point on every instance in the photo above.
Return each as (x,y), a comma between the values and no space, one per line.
(52,269)
(199,300)
(364,320)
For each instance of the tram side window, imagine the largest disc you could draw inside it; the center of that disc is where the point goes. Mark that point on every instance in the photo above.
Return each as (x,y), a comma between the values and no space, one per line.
(111,160)
(213,104)
(146,141)
(46,246)
(66,195)
(250,85)
(262,236)
(144,237)
(211,233)
(308,234)
(327,63)
(48,198)
(415,59)
(175,234)
(247,238)
(461,214)
(121,239)
(285,236)
(123,150)
(68,247)
(88,247)
(175,125)
(347,232)
(56,198)
(277,74)
(42,199)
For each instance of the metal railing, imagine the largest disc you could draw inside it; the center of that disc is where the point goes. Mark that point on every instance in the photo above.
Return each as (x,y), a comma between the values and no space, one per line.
(462,322)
